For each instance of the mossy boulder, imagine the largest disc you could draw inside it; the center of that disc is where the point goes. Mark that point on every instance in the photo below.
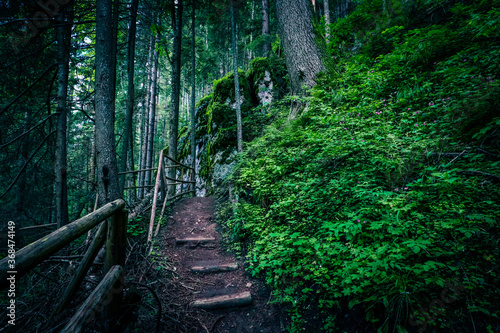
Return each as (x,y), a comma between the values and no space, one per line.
(216,140)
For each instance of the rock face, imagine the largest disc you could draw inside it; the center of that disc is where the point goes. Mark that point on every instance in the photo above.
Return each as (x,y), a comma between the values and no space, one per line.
(265,91)
(216,139)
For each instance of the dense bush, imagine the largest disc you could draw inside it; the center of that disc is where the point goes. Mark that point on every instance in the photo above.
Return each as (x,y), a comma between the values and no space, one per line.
(384,193)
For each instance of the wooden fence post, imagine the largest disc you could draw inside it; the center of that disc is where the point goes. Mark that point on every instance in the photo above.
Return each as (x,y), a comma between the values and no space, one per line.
(116,247)
(116,243)
(155,198)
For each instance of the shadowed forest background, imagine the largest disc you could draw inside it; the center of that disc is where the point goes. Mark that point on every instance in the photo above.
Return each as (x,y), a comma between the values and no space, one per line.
(353,147)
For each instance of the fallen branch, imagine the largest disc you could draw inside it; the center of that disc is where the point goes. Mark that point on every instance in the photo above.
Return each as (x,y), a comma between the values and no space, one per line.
(479,172)
(140,207)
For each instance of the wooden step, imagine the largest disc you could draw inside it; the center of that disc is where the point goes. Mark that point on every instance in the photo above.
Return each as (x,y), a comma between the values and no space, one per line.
(194,240)
(211,268)
(224,301)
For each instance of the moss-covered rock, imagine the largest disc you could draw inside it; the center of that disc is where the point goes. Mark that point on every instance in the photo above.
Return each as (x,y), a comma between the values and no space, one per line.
(216,140)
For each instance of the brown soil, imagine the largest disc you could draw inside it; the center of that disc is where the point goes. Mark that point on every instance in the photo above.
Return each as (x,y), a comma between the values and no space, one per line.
(194,217)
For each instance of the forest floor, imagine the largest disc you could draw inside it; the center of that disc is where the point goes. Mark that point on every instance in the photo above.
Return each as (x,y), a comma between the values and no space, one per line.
(191,218)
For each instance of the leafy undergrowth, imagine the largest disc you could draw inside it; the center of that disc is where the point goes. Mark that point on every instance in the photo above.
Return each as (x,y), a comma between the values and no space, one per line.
(384,193)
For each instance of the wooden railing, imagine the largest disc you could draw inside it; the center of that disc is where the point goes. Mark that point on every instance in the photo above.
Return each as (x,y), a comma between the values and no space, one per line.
(113,233)
(162,185)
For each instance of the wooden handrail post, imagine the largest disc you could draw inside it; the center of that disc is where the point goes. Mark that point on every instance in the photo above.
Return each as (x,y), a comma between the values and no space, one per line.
(193,185)
(116,247)
(116,243)
(163,183)
(182,179)
(155,198)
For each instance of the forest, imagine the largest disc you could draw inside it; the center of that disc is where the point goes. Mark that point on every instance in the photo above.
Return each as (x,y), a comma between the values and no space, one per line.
(350,150)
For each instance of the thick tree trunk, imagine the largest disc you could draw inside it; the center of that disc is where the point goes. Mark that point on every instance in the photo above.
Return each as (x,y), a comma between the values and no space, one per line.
(176,84)
(127,134)
(265,27)
(239,129)
(107,169)
(60,165)
(193,95)
(304,58)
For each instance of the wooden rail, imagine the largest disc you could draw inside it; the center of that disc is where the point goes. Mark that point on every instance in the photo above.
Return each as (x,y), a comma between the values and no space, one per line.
(162,183)
(97,299)
(116,230)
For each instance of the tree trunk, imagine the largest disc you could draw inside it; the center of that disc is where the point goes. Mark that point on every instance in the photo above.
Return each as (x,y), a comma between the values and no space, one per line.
(127,134)
(60,165)
(236,82)
(152,115)
(21,193)
(304,58)
(193,96)
(251,31)
(114,46)
(176,84)
(107,169)
(326,8)
(145,127)
(265,27)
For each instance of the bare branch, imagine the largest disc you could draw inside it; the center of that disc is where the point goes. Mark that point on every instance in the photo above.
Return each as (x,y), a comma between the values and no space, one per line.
(26,132)
(27,89)
(26,164)
(31,54)
(479,172)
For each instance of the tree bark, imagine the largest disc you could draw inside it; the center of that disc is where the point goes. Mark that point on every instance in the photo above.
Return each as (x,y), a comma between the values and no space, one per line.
(236,82)
(265,27)
(107,169)
(193,95)
(152,115)
(145,119)
(304,58)
(127,134)
(326,8)
(23,159)
(176,84)
(60,165)
(251,31)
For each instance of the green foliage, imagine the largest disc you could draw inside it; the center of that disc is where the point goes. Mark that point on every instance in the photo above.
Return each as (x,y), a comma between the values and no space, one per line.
(134,228)
(384,193)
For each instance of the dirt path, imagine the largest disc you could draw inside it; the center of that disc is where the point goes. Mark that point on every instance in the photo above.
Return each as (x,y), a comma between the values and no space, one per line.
(192,242)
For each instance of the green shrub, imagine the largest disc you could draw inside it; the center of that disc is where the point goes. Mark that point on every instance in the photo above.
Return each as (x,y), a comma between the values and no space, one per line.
(384,193)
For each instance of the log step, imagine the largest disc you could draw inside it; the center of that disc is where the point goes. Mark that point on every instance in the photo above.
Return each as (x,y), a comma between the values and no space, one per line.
(196,240)
(211,268)
(224,301)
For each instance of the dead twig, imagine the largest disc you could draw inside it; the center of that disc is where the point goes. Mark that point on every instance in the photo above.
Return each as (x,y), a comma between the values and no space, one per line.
(478,172)
(215,323)
(155,295)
